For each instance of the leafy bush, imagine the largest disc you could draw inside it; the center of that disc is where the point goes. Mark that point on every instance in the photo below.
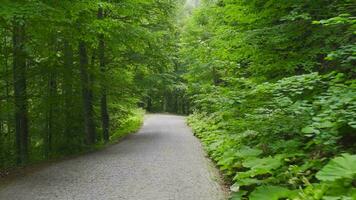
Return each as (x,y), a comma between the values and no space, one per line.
(276,139)
(130,124)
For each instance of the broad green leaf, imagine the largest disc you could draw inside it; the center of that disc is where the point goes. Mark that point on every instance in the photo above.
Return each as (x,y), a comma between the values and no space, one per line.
(238,195)
(246,152)
(309,130)
(326,124)
(246,181)
(267,163)
(271,193)
(343,167)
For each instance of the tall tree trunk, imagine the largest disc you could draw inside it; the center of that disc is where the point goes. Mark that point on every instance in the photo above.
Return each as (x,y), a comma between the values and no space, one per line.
(9,117)
(1,133)
(68,90)
(19,70)
(87,95)
(176,103)
(187,111)
(149,104)
(103,100)
(52,90)
(2,121)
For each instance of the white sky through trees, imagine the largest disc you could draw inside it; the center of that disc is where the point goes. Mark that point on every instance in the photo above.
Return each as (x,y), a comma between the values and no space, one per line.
(192,3)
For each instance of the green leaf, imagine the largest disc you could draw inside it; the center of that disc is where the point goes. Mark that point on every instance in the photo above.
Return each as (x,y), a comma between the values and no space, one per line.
(309,130)
(238,195)
(246,181)
(246,151)
(326,124)
(352,124)
(267,163)
(271,193)
(338,168)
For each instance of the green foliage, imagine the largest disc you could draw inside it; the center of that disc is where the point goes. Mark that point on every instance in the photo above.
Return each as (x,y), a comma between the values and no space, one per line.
(280,134)
(129,124)
(129,53)
(271,192)
(336,178)
(339,168)
(273,92)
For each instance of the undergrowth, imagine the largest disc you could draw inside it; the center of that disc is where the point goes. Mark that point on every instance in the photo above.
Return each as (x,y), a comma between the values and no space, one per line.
(292,139)
(128,125)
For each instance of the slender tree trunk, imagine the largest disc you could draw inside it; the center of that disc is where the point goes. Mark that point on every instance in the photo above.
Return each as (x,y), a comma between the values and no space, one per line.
(105,119)
(68,89)
(52,90)
(7,89)
(1,132)
(187,106)
(178,104)
(103,100)
(87,95)
(165,101)
(2,121)
(149,104)
(19,70)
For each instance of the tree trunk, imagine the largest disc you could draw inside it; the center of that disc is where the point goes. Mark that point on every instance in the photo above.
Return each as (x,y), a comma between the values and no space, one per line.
(187,106)
(52,90)
(103,100)
(7,88)
(19,70)
(2,121)
(149,104)
(87,95)
(1,133)
(68,90)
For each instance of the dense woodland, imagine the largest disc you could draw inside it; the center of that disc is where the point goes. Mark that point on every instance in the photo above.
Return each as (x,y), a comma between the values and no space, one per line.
(273,91)
(74,73)
(269,85)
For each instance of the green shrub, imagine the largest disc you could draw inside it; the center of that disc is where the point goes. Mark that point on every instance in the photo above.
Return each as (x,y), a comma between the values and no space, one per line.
(127,125)
(276,139)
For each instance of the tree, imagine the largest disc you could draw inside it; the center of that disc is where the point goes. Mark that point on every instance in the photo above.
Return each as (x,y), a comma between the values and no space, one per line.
(19,71)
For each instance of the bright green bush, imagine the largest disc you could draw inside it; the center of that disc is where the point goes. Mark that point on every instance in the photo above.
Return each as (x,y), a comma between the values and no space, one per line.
(275,139)
(130,124)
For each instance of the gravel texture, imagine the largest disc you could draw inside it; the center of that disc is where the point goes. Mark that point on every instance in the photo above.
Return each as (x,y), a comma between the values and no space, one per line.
(164,161)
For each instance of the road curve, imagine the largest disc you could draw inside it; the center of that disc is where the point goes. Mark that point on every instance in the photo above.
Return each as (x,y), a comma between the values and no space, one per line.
(163,161)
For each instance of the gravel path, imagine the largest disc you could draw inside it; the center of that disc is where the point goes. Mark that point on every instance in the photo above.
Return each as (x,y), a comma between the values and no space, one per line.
(164,161)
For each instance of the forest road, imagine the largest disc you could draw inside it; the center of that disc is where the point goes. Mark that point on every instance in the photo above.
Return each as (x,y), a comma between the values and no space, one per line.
(163,161)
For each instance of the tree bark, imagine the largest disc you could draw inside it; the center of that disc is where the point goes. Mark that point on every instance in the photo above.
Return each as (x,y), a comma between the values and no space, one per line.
(2,121)
(68,89)
(86,95)
(21,112)
(52,91)
(105,119)
(7,88)
(1,132)
(149,104)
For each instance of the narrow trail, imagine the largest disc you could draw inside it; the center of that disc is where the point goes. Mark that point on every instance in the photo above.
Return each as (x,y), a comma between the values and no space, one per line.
(164,161)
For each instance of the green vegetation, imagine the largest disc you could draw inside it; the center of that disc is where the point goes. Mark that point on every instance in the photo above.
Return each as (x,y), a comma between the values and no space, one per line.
(127,125)
(270,84)
(74,73)
(273,91)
